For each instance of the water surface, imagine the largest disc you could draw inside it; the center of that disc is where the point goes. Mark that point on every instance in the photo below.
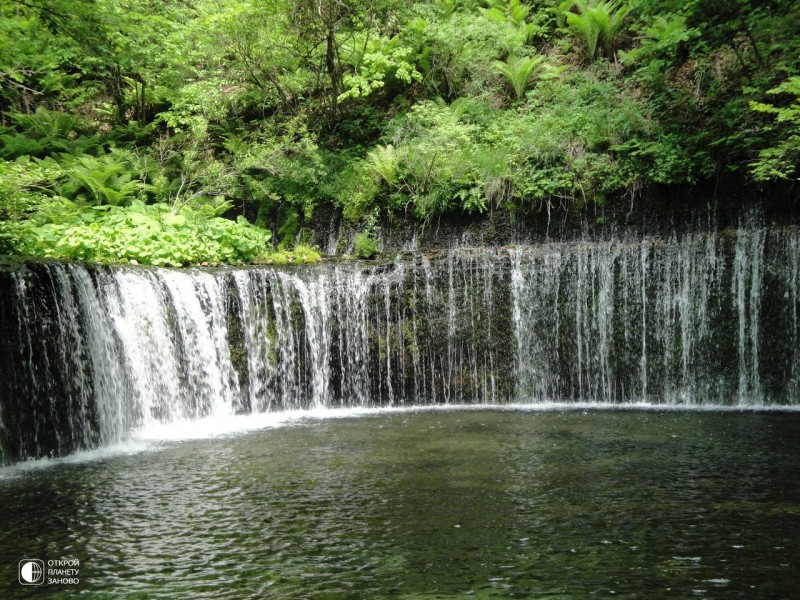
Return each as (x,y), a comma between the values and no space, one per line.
(428,504)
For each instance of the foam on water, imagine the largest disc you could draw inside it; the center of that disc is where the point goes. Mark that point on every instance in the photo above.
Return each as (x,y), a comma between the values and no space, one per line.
(160,436)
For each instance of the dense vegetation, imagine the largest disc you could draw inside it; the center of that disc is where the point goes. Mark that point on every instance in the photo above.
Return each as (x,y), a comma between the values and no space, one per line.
(191,131)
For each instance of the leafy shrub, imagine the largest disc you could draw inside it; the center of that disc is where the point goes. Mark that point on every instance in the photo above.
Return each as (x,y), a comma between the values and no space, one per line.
(151,235)
(301,253)
(365,246)
(780,160)
(45,132)
(25,185)
(374,61)
(430,161)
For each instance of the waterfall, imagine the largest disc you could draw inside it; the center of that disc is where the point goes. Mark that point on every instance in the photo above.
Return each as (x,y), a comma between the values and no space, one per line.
(89,354)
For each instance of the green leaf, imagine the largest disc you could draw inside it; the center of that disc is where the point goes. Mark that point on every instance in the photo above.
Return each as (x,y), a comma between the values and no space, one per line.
(174,220)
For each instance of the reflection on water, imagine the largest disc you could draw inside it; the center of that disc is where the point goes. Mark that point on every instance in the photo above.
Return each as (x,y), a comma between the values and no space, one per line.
(480,504)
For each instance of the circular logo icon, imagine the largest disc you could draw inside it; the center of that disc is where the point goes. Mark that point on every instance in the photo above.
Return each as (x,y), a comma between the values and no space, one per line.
(31,571)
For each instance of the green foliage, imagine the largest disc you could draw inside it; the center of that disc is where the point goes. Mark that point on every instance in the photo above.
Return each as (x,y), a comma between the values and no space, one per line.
(433,149)
(457,50)
(518,71)
(365,246)
(598,24)
(107,179)
(282,163)
(571,146)
(301,253)
(45,132)
(292,112)
(290,224)
(661,38)
(780,160)
(374,61)
(354,188)
(146,234)
(386,162)
(25,185)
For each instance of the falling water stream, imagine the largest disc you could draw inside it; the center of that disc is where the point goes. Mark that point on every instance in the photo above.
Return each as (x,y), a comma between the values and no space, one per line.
(94,353)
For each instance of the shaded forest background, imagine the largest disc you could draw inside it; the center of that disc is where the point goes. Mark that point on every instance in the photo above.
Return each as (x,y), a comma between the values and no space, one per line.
(181,132)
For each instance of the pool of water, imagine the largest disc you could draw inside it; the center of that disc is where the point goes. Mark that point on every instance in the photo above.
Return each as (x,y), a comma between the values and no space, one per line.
(425,504)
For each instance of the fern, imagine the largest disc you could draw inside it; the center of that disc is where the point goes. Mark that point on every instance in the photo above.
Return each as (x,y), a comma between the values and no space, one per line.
(584,26)
(513,11)
(44,123)
(44,132)
(15,145)
(104,181)
(613,19)
(518,71)
(386,163)
(596,21)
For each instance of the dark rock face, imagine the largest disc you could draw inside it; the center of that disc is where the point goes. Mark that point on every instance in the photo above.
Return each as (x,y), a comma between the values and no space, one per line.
(667,212)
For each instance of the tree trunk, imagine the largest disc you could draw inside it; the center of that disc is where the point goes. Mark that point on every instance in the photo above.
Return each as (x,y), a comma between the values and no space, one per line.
(142,116)
(119,95)
(330,62)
